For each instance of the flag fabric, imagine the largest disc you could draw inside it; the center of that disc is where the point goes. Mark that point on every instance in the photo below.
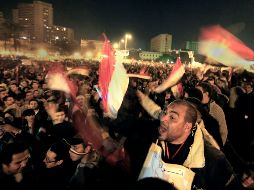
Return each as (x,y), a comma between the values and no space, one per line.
(79,70)
(58,80)
(143,74)
(220,45)
(177,90)
(113,80)
(140,76)
(173,78)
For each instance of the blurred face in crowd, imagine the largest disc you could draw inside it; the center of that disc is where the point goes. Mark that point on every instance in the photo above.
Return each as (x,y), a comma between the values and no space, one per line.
(78,151)
(3,93)
(206,97)
(9,101)
(13,88)
(36,93)
(50,160)
(18,163)
(19,102)
(173,127)
(35,85)
(248,88)
(24,83)
(81,100)
(29,96)
(59,117)
(33,105)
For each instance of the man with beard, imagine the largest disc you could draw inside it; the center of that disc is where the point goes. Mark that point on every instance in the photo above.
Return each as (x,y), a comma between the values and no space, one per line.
(183,144)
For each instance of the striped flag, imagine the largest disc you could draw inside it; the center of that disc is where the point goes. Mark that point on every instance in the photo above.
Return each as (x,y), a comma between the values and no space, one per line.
(58,80)
(173,78)
(220,45)
(79,70)
(113,80)
(177,90)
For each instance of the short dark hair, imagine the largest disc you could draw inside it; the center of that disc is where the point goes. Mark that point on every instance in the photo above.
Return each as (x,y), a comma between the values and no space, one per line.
(10,149)
(191,112)
(61,150)
(28,112)
(207,88)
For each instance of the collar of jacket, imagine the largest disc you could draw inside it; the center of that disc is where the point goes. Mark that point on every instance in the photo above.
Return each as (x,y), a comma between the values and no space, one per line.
(196,156)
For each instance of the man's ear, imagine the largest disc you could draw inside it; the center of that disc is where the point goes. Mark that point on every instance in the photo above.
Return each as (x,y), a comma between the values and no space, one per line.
(188,126)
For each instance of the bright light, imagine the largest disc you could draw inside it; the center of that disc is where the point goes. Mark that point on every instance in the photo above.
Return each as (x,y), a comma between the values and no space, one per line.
(88,54)
(126,37)
(115,45)
(76,55)
(57,38)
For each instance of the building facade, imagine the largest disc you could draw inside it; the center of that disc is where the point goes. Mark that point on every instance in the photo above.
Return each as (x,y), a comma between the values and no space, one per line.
(36,20)
(192,46)
(147,55)
(91,48)
(161,43)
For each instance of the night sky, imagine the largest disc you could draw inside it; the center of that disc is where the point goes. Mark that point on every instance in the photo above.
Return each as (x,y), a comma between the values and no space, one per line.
(145,19)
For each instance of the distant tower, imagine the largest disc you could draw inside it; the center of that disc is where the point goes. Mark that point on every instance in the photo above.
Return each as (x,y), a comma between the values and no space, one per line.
(192,45)
(36,19)
(161,43)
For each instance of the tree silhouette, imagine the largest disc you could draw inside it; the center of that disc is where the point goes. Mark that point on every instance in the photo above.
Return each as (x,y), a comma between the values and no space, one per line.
(11,30)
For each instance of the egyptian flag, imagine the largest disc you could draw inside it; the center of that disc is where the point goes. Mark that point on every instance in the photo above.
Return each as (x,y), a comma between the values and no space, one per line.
(218,44)
(57,79)
(173,78)
(177,90)
(113,80)
(142,74)
(78,71)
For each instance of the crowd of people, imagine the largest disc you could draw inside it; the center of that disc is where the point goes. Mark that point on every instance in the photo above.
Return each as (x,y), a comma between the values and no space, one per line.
(50,139)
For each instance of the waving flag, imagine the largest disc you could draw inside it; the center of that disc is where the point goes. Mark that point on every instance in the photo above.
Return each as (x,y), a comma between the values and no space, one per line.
(177,90)
(113,80)
(174,76)
(57,80)
(80,70)
(225,48)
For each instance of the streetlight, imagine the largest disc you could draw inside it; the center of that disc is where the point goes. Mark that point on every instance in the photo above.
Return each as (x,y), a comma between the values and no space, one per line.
(127,36)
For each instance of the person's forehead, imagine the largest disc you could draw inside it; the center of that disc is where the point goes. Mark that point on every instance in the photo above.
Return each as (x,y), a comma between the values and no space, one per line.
(51,154)
(20,156)
(176,108)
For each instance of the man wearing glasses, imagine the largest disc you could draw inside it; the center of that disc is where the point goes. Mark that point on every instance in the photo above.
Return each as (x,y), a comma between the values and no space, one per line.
(55,172)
